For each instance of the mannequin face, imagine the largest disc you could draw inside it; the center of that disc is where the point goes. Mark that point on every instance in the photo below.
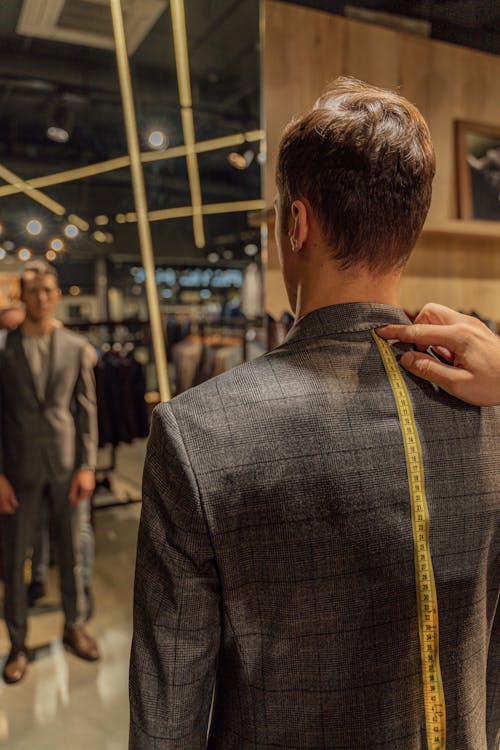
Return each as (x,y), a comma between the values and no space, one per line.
(40,295)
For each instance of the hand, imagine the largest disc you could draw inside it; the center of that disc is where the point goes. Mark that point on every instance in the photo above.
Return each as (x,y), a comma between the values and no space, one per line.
(473,351)
(8,500)
(82,486)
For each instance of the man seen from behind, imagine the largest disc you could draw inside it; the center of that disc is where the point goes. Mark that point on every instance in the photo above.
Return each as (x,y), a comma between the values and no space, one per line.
(276,552)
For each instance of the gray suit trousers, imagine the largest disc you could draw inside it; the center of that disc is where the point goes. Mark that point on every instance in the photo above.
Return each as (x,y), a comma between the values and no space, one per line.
(18,532)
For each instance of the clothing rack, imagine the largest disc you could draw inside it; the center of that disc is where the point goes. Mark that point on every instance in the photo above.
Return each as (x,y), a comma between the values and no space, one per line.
(115,338)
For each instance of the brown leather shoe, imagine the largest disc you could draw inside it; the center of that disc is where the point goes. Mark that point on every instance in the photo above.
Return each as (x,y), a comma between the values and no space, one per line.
(81,643)
(16,665)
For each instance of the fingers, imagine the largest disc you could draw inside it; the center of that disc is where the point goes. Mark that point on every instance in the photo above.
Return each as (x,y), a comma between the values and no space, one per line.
(78,493)
(450,379)
(439,315)
(73,495)
(451,337)
(444,352)
(9,504)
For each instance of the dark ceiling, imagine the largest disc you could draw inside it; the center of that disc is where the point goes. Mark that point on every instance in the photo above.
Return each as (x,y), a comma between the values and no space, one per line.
(470,23)
(42,80)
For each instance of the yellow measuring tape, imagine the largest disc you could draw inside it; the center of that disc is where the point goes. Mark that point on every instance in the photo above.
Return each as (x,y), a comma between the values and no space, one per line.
(428,622)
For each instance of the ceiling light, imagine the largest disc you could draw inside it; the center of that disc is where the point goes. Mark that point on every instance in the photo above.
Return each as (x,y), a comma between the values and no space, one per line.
(109,237)
(58,135)
(157,139)
(34,227)
(51,255)
(251,250)
(120,218)
(101,220)
(78,222)
(24,254)
(9,245)
(227,254)
(205,294)
(213,257)
(57,244)
(71,231)
(60,122)
(74,290)
(3,253)
(99,236)
(240,160)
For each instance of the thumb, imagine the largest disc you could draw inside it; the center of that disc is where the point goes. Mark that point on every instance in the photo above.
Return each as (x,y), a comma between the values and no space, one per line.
(447,377)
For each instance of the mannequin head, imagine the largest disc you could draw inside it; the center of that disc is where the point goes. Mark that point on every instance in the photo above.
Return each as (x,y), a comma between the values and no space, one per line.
(40,291)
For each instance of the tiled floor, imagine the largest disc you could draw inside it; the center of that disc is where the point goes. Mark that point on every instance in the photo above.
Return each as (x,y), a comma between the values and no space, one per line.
(65,703)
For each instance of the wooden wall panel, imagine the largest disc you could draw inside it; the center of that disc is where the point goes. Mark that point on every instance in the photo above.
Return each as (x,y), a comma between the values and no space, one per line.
(305,48)
(371,54)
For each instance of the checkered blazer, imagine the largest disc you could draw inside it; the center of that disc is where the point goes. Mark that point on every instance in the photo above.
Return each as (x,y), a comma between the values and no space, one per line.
(275,556)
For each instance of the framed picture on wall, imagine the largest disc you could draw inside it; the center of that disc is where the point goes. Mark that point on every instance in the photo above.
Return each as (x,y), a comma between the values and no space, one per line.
(478,170)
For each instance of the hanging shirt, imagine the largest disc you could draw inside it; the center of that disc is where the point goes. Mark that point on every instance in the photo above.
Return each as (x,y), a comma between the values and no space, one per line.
(37,350)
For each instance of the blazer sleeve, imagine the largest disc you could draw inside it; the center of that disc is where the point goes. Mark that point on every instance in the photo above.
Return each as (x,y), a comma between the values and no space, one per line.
(86,413)
(176,602)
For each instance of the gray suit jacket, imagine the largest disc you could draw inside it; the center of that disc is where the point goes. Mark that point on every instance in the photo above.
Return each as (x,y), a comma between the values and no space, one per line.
(46,440)
(275,556)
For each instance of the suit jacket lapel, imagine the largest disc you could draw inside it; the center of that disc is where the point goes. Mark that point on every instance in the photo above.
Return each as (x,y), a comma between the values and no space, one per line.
(20,355)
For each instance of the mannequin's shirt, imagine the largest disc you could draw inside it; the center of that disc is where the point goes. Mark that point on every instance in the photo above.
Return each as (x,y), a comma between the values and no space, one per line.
(37,350)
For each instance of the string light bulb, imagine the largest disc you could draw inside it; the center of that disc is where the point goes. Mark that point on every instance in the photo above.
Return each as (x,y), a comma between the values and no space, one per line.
(57,244)
(71,231)
(34,227)
(24,254)
(157,139)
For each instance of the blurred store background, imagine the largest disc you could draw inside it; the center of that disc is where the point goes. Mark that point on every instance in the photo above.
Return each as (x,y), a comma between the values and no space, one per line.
(213,82)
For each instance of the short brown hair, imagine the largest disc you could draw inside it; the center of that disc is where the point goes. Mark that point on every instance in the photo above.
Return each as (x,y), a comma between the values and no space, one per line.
(364,159)
(39,267)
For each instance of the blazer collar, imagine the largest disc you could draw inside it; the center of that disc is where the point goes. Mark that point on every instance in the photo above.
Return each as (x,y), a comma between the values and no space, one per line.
(349,317)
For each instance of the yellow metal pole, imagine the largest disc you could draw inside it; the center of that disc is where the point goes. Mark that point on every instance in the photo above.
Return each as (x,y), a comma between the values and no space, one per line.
(31,192)
(140,198)
(122,162)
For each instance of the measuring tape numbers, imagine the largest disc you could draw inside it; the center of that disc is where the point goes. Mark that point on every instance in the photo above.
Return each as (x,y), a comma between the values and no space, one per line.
(427,606)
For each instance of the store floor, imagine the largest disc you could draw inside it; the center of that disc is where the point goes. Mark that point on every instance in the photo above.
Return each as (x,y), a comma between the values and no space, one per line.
(64,702)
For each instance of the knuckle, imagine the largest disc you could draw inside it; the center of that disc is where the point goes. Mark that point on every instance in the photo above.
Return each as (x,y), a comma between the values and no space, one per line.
(464,333)
(424,366)
(415,331)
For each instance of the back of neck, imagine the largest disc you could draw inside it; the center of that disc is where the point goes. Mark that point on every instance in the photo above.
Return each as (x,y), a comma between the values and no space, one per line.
(337,289)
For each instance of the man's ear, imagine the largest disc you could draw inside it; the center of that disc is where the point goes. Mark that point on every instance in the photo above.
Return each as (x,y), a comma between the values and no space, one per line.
(299,226)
